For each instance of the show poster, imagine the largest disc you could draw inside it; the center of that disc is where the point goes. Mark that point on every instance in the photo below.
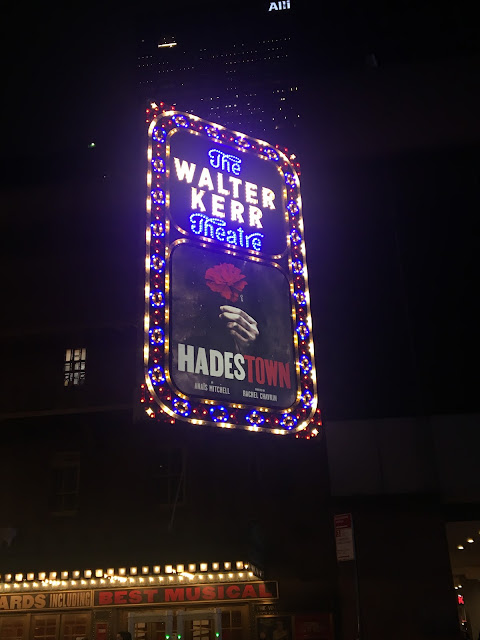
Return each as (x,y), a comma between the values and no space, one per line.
(228,332)
(274,628)
(232,336)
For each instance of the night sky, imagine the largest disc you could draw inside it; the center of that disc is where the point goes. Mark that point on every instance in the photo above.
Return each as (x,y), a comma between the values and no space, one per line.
(391,186)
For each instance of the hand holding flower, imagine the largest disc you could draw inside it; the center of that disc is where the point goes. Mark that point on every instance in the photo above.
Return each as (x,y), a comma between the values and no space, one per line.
(242,327)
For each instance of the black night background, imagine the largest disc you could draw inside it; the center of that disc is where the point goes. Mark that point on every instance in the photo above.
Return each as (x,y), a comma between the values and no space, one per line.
(380,109)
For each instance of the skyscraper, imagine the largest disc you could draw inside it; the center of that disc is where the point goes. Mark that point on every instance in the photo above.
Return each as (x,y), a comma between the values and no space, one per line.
(247,74)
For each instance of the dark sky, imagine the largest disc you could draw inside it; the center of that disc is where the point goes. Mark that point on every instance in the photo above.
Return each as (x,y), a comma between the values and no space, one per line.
(391,196)
(78,62)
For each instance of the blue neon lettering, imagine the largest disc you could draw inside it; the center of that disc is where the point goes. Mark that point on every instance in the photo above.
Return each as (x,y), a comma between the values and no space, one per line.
(231,237)
(256,241)
(220,234)
(225,161)
(202,225)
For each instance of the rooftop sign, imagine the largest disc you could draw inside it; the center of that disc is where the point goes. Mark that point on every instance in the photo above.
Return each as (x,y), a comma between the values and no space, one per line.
(279,6)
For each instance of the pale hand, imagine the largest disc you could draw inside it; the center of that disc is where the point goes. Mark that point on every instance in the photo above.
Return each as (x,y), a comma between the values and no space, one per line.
(242,327)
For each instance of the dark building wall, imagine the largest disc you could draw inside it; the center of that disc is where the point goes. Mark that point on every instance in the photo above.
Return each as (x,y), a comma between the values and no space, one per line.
(35,381)
(243,497)
(400,478)
(404,577)
(405,455)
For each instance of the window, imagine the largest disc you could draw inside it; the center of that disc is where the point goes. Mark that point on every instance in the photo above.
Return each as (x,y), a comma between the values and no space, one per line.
(74,367)
(13,629)
(145,630)
(232,624)
(169,476)
(45,628)
(69,626)
(65,482)
(75,625)
(200,629)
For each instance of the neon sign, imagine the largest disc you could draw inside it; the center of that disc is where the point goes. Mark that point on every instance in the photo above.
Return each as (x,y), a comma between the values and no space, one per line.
(226,198)
(228,331)
(214,229)
(225,161)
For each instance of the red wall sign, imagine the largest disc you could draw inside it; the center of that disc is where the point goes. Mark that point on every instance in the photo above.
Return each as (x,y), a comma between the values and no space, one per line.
(317,626)
(101,630)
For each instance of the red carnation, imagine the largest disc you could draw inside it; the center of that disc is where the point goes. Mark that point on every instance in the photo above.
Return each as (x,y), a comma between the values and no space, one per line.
(226,280)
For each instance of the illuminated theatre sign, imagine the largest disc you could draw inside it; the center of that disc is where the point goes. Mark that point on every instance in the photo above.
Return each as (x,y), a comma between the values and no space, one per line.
(227,318)
(138,596)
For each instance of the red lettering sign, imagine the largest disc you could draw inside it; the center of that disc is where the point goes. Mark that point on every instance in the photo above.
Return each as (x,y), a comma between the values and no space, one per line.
(198,593)
(262,591)
(151,593)
(174,595)
(105,597)
(135,596)
(208,593)
(192,593)
(120,597)
(249,591)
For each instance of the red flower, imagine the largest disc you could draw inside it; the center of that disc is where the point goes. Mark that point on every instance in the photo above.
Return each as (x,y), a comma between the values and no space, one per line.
(226,280)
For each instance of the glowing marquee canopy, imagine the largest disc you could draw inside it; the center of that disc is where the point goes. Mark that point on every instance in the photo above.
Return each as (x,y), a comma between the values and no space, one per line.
(228,332)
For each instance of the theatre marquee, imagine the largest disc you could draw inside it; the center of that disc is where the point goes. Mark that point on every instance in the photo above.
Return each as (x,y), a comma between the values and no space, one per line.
(228,331)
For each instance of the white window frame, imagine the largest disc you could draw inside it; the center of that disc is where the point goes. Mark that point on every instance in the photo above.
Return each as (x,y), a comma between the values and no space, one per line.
(74,367)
